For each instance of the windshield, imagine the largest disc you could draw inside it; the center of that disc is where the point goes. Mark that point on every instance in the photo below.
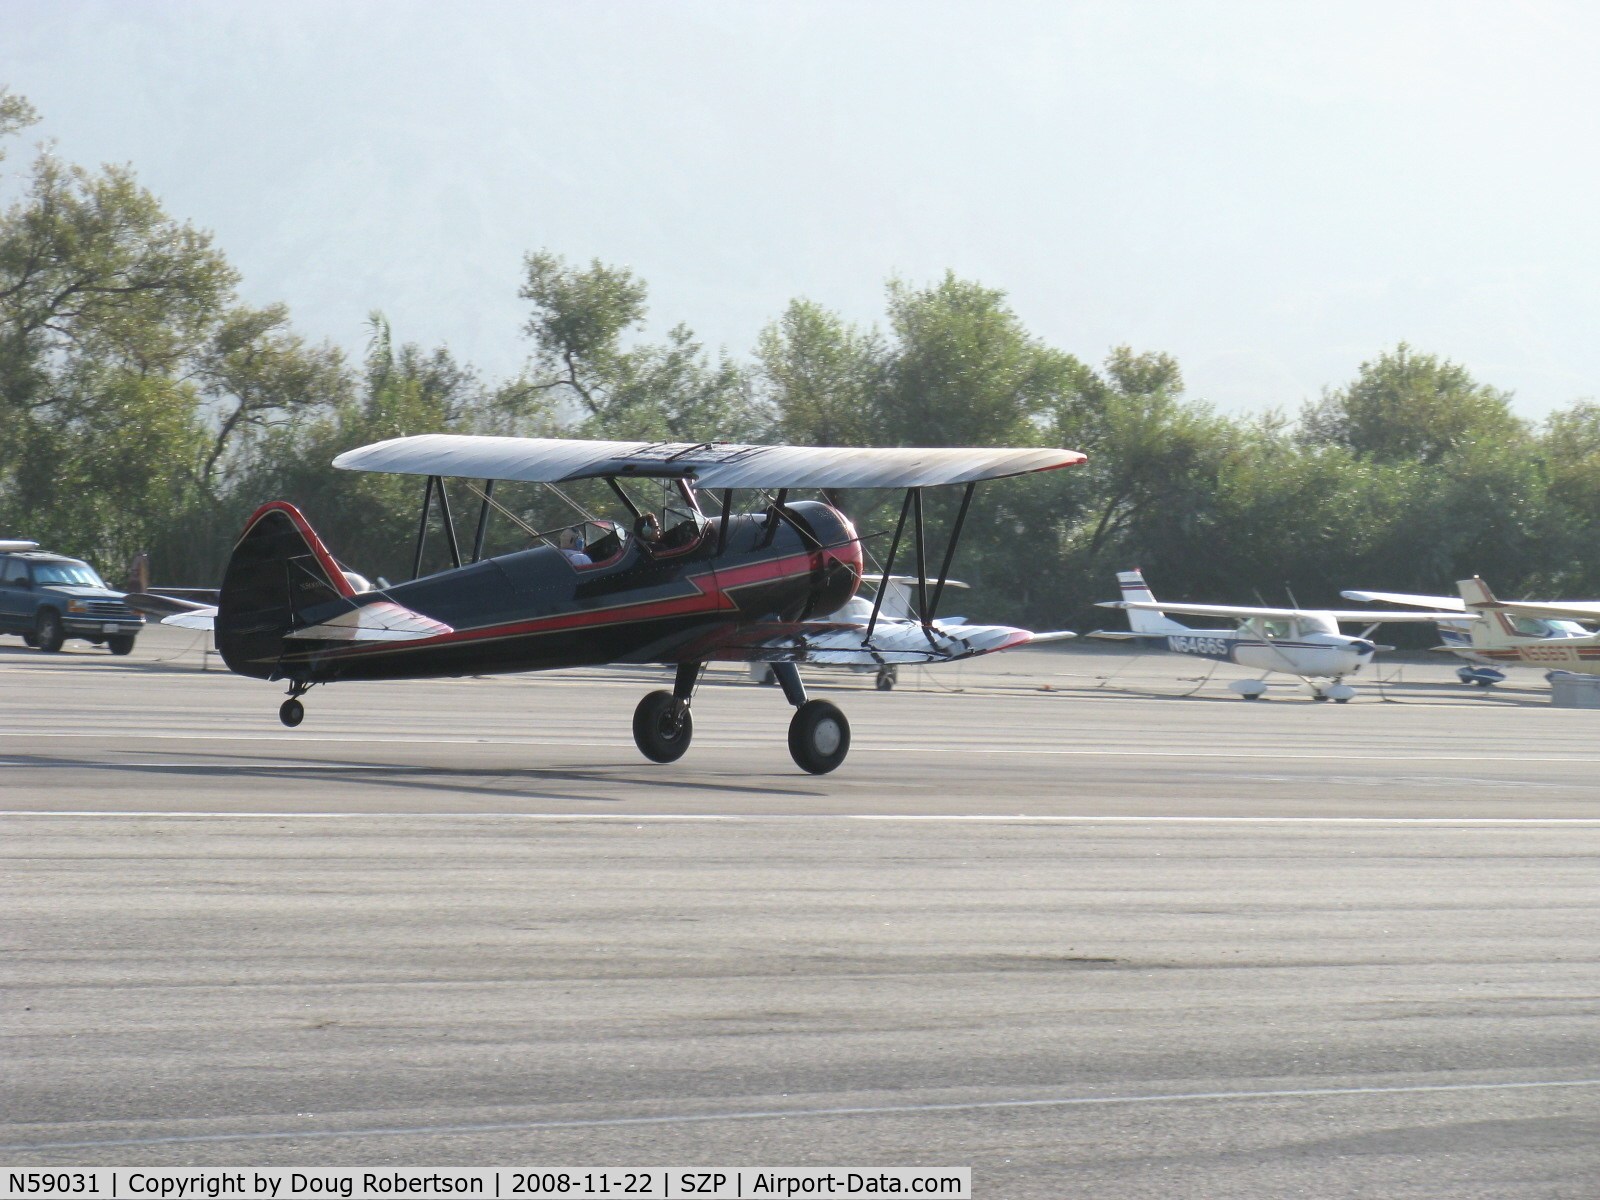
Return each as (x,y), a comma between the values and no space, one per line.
(74,573)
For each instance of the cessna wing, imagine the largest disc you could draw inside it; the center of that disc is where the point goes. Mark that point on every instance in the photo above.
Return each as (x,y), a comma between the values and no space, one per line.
(1443,603)
(832,643)
(1368,617)
(705,464)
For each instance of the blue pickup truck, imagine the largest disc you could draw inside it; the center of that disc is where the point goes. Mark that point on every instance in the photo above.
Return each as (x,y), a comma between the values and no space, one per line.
(48,598)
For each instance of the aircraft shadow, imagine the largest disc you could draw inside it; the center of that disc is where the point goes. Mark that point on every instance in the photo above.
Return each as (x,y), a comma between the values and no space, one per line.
(419,778)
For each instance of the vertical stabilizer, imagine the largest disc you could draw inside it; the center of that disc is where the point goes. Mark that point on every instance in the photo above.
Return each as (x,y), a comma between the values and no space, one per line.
(1476,593)
(279,569)
(1144,620)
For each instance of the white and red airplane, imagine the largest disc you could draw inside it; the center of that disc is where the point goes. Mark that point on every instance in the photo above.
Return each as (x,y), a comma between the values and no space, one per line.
(1491,634)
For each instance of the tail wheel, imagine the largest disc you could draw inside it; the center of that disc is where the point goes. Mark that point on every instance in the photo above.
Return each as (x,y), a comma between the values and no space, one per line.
(662,727)
(819,737)
(48,632)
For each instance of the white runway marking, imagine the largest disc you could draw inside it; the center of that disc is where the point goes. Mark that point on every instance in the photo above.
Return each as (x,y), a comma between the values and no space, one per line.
(784,1114)
(860,745)
(639,818)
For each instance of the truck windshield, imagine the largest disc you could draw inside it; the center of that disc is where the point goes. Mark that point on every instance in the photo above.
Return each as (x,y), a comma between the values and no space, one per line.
(74,573)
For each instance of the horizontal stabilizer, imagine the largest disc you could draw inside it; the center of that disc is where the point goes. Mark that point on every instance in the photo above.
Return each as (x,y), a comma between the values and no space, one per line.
(380,621)
(1054,635)
(157,605)
(203,616)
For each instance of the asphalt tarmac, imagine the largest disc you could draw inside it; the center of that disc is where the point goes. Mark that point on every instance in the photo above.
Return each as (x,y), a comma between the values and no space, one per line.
(1082,921)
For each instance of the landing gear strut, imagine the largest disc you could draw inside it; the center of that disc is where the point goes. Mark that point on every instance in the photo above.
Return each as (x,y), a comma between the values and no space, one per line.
(662,725)
(819,735)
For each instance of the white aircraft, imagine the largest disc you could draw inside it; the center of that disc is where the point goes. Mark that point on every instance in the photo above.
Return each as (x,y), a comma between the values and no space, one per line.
(897,611)
(1491,634)
(1288,641)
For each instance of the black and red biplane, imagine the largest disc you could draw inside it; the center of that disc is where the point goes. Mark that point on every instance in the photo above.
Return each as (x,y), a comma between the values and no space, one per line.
(677,588)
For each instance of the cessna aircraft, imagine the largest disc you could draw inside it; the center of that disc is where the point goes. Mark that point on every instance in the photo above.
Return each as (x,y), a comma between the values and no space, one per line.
(680,588)
(1289,641)
(1490,633)
(898,607)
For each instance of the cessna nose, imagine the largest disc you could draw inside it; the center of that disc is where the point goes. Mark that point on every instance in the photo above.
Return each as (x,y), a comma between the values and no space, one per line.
(1363,647)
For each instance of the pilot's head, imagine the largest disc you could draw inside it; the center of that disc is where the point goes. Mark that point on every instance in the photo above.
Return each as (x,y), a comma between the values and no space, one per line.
(571,539)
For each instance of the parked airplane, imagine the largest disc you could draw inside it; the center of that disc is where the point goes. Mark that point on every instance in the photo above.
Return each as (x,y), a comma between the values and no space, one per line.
(1289,641)
(1491,634)
(680,589)
(898,607)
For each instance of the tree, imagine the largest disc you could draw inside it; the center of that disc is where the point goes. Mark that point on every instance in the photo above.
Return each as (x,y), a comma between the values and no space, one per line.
(964,372)
(1409,406)
(671,391)
(823,377)
(260,375)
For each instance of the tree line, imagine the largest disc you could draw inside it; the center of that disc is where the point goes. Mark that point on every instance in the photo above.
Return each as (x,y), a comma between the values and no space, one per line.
(145,408)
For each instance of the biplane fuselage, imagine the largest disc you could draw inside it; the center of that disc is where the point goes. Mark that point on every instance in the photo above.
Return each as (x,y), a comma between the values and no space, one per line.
(535,610)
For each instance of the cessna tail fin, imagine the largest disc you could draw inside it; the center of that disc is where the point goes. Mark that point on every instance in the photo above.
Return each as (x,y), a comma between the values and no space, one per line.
(1144,620)
(1476,593)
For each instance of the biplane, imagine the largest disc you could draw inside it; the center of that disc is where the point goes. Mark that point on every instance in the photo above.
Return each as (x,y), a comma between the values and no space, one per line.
(665,583)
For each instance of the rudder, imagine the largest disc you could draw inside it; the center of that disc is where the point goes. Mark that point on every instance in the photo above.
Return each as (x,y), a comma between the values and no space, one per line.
(279,569)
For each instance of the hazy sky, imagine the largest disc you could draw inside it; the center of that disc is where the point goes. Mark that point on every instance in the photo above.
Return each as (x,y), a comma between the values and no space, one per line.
(1272,191)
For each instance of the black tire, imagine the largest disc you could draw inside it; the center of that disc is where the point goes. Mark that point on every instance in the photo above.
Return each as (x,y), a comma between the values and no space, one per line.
(819,737)
(1341,699)
(887,678)
(48,631)
(662,728)
(121,643)
(1319,696)
(291,712)
(31,640)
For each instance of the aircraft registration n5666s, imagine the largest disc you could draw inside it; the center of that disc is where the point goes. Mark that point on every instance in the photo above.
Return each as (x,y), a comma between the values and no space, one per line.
(1289,641)
(678,588)
(1491,634)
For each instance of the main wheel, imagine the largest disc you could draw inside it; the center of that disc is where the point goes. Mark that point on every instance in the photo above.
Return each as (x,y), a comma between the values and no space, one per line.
(121,643)
(291,712)
(48,632)
(662,728)
(887,678)
(819,737)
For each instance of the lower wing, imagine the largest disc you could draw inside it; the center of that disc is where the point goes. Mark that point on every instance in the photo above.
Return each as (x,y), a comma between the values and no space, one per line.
(841,644)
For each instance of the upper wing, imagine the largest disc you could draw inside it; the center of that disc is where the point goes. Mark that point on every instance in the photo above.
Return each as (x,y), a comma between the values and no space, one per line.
(707,464)
(1370,616)
(1454,603)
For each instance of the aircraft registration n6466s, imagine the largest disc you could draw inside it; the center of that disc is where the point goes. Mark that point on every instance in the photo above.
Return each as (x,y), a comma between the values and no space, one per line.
(678,588)
(1289,641)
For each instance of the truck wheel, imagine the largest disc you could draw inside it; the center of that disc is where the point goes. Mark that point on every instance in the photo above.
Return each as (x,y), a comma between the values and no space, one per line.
(48,632)
(120,643)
